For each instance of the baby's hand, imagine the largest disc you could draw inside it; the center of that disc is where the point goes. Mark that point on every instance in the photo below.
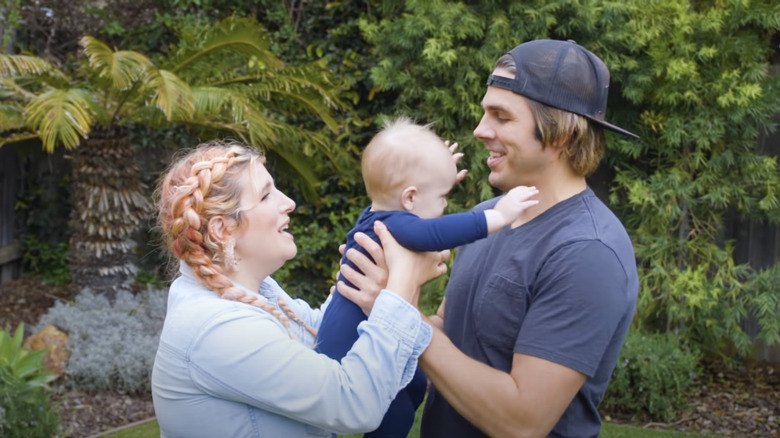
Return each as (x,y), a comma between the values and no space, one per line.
(456,156)
(510,207)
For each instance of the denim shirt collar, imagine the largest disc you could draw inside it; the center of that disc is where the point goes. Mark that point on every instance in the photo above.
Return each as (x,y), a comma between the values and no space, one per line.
(269,288)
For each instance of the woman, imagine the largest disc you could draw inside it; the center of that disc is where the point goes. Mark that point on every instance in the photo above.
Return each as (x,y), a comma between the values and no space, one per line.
(235,356)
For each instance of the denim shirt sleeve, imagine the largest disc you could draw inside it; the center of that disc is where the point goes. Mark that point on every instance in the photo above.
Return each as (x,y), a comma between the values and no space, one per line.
(408,326)
(247,357)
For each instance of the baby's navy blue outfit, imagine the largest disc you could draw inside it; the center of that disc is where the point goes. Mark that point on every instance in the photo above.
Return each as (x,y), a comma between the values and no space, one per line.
(338,330)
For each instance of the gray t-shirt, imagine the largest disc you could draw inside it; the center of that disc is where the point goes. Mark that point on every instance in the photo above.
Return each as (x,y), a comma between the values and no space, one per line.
(561,287)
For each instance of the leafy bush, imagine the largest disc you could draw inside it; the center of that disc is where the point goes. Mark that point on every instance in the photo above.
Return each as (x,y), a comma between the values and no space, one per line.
(653,376)
(25,408)
(112,345)
(47,260)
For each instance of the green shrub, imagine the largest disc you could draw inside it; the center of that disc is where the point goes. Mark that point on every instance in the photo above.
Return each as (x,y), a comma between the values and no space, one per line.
(25,407)
(46,260)
(653,377)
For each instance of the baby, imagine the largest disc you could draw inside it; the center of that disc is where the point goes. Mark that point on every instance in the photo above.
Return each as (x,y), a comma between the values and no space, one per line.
(408,172)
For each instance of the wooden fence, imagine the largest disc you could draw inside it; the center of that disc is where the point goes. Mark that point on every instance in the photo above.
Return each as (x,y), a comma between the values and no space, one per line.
(757,243)
(10,266)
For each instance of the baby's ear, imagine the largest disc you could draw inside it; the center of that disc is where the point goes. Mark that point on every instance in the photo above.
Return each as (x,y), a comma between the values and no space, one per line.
(407,198)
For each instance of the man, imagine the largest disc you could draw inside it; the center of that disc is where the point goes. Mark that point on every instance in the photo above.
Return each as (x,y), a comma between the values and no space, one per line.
(536,314)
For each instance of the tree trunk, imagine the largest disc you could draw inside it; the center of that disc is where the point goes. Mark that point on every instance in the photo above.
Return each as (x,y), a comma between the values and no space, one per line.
(109,204)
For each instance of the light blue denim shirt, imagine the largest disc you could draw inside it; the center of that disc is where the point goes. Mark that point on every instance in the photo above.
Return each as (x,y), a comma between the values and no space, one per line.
(228,369)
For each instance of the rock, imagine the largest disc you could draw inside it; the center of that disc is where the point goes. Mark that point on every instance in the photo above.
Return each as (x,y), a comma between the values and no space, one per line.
(56,341)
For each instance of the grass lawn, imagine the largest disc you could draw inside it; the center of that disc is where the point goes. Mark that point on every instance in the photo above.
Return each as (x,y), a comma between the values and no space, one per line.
(151,429)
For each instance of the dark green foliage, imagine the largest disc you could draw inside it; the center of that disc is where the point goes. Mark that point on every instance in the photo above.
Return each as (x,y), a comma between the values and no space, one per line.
(703,94)
(42,209)
(11,12)
(654,376)
(52,28)
(48,261)
(25,408)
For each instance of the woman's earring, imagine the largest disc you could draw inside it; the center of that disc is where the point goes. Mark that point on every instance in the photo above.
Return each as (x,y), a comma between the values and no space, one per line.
(230,256)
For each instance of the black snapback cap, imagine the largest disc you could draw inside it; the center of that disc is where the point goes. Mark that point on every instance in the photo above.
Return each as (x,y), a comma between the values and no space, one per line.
(563,75)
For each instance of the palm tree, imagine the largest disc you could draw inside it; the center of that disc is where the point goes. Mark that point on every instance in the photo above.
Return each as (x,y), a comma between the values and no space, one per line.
(222,78)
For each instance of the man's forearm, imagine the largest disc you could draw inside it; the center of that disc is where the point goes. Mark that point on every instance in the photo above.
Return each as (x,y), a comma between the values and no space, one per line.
(526,402)
(436,321)
(485,396)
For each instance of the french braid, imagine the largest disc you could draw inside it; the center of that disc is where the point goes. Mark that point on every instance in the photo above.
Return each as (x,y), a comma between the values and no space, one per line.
(204,184)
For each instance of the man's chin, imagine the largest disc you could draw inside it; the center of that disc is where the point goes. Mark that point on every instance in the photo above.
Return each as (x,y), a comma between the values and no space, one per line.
(495,180)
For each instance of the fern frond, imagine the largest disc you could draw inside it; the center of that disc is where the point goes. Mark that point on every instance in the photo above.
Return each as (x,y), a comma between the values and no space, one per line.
(242,36)
(292,156)
(11,116)
(22,65)
(123,67)
(313,104)
(209,101)
(295,89)
(61,117)
(291,163)
(10,89)
(235,109)
(171,94)
(295,147)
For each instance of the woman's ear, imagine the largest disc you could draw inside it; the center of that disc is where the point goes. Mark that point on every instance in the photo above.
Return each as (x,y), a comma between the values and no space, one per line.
(217,229)
(407,198)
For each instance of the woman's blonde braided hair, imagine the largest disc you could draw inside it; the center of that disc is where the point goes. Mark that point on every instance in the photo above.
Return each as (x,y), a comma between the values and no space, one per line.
(205,183)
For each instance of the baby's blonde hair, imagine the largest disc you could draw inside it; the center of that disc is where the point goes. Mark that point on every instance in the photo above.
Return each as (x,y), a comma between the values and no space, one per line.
(208,182)
(400,151)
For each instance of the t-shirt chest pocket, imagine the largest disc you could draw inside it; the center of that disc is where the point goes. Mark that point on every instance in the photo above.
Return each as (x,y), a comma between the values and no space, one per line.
(499,311)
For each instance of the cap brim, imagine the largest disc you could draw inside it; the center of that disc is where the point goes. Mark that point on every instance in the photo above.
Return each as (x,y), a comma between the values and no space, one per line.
(612,127)
(508,84)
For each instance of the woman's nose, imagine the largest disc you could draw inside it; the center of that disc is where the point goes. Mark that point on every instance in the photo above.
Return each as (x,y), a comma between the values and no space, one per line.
(288,205)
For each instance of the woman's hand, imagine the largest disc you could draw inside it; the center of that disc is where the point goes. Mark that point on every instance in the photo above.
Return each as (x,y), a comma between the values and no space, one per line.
(371,281)
(409,270)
